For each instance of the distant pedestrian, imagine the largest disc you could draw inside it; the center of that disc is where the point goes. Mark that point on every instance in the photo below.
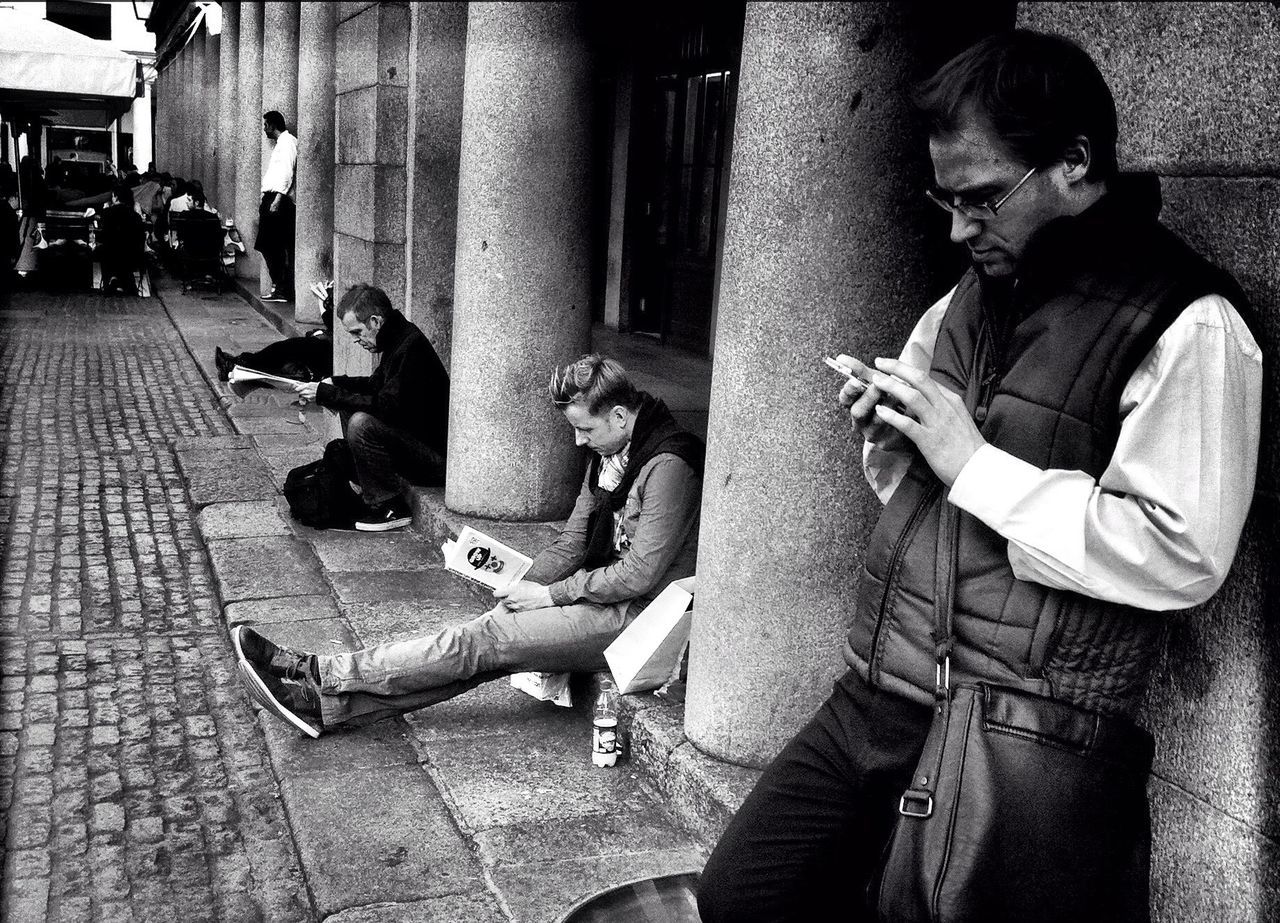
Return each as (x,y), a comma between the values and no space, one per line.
(276,211)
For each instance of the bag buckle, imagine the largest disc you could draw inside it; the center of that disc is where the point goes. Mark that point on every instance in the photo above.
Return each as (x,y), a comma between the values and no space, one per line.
(942,679)
(916,803)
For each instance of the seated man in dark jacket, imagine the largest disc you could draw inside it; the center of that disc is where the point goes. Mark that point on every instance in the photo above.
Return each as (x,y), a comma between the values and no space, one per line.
(120,242)
(395,420)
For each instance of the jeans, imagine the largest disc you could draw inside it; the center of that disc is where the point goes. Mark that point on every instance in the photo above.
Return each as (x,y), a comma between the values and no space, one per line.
(809,837)
(389,679)
(382,452)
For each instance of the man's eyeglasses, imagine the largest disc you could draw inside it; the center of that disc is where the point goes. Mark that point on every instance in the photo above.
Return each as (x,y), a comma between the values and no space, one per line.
(974,211)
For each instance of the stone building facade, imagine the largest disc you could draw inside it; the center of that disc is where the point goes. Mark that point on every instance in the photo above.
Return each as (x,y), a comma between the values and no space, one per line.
(744,182)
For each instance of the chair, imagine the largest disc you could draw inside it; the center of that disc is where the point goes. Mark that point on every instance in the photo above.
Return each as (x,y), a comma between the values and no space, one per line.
(199,253)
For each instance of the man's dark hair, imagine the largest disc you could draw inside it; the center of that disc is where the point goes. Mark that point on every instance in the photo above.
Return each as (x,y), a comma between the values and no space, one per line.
(123,193)
(364,301)
(1038,93)
(594,382)
(275,120)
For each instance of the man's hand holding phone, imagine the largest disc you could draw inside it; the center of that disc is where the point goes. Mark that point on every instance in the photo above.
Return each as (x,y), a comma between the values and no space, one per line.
(861,397)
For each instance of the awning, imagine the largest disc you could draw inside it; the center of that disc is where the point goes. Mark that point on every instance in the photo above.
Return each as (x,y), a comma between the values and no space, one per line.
(57,75)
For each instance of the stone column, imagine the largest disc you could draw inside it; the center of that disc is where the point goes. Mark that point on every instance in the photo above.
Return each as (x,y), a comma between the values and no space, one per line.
(212,80)
(823,253)
(197,83)
(438,37)
(143,130)
(314,193)
(228,109)
(523,273)
(369,171)
(182,143)
(249,131)
(160,124)
(279,80)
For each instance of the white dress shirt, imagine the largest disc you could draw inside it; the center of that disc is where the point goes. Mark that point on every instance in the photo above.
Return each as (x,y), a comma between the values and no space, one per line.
(284,157)
(1159,529)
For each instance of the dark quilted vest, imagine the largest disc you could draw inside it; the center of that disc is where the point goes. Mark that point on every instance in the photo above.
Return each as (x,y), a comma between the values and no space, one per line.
(1043,363)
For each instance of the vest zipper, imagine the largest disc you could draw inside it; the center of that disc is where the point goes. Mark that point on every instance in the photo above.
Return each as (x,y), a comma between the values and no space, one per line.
(899,548)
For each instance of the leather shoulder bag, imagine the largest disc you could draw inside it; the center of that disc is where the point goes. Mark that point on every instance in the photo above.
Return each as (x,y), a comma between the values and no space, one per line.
(1023,808)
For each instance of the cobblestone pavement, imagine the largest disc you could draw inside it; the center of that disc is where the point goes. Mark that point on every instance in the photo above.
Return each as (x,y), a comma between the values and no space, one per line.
(133,782)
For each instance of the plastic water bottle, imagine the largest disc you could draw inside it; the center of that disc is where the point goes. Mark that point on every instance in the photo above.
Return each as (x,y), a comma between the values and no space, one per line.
(604,726)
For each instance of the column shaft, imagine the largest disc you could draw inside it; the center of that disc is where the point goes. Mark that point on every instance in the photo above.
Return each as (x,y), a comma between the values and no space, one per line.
(228,107)
(314,194)
(824,253)
(438,47)
(279,80)
(249,131)
(523,272)
(212,83)
(372,52)
(199,96)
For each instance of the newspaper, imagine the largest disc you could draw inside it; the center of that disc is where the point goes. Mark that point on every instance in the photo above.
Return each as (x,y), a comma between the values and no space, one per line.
(484,560)
(545,687)
(243,379)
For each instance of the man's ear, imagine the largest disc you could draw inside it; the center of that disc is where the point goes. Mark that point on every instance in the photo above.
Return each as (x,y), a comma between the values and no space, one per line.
(620,414)
(1076,159)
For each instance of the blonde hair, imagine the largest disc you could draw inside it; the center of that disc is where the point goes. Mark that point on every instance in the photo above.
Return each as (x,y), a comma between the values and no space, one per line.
(594,382)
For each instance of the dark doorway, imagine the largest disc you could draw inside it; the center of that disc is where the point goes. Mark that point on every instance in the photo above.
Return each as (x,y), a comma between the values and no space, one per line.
(683,116)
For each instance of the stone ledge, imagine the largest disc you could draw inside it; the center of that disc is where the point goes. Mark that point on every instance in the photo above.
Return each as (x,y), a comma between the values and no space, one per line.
(701,792)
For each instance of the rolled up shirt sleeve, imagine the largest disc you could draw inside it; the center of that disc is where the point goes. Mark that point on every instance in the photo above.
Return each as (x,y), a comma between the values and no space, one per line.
(1160,528)
(884,470)
(670,494)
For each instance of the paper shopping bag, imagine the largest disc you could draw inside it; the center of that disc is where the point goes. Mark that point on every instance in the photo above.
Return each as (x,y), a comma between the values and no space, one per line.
(648,650)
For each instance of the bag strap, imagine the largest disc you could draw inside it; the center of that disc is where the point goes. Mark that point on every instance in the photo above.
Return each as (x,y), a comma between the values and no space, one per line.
(917,800)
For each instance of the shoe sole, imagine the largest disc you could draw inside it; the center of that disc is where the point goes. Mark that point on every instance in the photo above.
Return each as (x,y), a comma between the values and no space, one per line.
(384,526)
(258,689)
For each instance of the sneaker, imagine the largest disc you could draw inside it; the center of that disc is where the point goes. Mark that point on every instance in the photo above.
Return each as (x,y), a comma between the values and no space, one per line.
(276,660)
(297,703)
(394,514)
(274,295)
(224,363)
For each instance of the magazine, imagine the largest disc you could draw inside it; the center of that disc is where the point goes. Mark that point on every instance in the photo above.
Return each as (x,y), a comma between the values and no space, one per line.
(243,379)
(484,560)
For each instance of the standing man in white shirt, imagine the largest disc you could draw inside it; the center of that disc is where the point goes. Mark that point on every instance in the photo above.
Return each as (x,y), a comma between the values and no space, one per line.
(276,211)
(1087,400)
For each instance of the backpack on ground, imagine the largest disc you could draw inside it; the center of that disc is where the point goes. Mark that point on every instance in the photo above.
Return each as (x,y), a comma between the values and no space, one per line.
(319,493)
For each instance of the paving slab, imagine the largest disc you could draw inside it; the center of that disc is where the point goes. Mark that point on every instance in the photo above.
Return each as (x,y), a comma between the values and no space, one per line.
(375,837)
(370,552)
(318,636)
(283,609)
(397,585)
(498,710)
(277,422)
(533,776)
(241,519)
(613,833)
(540,892)
(472,908)
(201,446)
(398,620)
(236,474)
(366,749)
(264,567)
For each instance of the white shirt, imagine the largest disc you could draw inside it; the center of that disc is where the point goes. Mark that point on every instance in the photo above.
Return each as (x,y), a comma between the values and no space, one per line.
(284,157)
(1160,528)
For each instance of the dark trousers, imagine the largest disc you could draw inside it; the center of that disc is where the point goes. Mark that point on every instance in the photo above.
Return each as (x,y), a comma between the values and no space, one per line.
(809,837)
(381,454)
(275,241)
(304,358)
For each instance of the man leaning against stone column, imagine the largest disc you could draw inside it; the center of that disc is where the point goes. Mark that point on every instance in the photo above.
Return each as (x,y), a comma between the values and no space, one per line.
(633,530)
(1102,478)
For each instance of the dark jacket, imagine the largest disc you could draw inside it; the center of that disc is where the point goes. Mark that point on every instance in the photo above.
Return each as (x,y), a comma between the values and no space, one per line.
(1042,364)
(408,390)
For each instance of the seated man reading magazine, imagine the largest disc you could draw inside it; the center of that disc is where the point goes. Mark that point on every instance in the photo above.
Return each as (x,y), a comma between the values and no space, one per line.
(633,530)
